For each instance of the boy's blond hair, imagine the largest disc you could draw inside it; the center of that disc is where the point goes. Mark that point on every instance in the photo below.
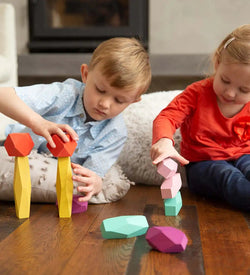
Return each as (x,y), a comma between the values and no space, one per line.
(235,48)
(124,62)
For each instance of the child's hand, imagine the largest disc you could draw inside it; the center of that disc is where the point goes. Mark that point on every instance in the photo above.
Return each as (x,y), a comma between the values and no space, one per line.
(164,148)
(89,182)
(46,128)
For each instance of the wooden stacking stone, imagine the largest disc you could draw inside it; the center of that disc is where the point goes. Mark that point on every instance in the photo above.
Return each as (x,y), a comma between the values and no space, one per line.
(167,168)
(78,206)
(20,146)
(170,188)
(166,239)
(122,227)
(64,182)
(173,206)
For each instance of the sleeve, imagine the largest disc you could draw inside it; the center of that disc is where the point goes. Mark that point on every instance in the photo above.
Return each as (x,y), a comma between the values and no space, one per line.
(171,117)
(46,99)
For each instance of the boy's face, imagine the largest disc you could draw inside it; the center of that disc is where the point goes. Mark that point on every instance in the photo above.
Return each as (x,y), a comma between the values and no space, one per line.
(101,101)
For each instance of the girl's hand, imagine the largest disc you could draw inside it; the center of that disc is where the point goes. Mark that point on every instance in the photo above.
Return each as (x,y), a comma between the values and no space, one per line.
(88,181)
(46,128)
(164,148)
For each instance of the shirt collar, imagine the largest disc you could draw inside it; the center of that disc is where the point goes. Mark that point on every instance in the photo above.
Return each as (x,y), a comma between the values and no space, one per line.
(78,108)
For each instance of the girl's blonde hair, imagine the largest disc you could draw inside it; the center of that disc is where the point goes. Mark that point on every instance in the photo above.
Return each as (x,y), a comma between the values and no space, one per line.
(124,62)
(235,48)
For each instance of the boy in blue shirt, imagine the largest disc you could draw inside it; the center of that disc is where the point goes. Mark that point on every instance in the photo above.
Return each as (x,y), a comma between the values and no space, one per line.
(118,73)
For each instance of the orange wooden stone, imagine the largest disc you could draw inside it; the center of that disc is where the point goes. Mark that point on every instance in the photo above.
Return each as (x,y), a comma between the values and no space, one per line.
(19,144)
(63,149)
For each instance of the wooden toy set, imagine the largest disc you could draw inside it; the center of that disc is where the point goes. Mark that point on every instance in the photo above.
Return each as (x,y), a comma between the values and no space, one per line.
(170,188)
(164,239)
(20,145)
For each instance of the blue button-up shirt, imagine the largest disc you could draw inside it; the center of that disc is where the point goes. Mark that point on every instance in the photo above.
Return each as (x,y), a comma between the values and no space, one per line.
(100,142)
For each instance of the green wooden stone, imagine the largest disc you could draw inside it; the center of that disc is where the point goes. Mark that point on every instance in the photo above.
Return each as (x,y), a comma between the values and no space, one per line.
(173,206)
(122,227)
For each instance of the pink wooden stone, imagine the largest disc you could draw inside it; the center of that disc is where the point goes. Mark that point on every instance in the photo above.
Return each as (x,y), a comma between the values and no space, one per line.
(171,186)
(166,239)
(167,168)
(78,206)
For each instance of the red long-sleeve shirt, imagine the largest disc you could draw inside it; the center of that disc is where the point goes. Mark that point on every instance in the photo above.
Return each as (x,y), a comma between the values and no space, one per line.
(206,133)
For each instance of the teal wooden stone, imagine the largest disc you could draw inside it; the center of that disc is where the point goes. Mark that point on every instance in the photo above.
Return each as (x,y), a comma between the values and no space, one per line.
(173,206)
(123,227)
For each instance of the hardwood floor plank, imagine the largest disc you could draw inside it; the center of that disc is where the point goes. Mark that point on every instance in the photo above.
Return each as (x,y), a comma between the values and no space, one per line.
(44,243)
(225,239)
(149,261)
(8,219)
(113,255)
(218,239)
(247,217)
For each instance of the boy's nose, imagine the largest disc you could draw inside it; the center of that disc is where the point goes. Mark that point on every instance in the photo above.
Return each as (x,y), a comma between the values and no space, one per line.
(104,103)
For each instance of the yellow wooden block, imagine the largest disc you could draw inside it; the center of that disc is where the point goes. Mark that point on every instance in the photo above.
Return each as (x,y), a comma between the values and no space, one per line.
(22,187)
(64,187)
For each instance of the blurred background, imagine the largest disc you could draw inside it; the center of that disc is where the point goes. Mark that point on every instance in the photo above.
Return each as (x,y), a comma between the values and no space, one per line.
(54,37)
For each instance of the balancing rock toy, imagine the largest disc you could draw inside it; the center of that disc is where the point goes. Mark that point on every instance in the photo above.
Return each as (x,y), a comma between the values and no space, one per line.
(166,239)
(20,145)
(173,206)
(167,168)
(170,187)
(78,206)
(64,182)
(122,227)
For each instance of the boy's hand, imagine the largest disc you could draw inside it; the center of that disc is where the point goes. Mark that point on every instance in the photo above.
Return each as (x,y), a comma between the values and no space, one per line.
(46,128)
(164,148)
(89,182)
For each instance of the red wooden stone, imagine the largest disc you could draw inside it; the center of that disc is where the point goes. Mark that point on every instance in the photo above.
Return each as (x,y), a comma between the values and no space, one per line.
(18,144)
(63,149)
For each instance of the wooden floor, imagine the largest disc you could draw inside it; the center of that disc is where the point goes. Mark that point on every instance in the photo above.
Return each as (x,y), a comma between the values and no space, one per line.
(218,239)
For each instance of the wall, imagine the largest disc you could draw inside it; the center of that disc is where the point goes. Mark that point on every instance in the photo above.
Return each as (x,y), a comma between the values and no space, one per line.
(193,26)
(175,26)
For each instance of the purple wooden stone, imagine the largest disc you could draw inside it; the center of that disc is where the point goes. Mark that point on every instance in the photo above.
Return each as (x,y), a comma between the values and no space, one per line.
(78,206)
(166,239)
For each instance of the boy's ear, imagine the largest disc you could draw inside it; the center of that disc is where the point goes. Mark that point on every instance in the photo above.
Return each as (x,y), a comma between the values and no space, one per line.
(84,72)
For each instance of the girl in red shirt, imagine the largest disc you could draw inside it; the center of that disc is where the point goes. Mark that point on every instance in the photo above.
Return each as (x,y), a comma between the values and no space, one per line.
(214,119)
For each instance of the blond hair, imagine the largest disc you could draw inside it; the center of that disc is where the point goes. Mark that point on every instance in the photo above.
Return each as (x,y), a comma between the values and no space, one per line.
(235,48)
(124,62)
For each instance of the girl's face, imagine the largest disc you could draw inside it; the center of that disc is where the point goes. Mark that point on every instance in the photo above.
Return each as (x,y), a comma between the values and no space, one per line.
(232,84)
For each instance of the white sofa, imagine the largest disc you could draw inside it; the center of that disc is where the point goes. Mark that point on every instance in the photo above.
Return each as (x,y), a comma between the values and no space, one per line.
(8,54)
